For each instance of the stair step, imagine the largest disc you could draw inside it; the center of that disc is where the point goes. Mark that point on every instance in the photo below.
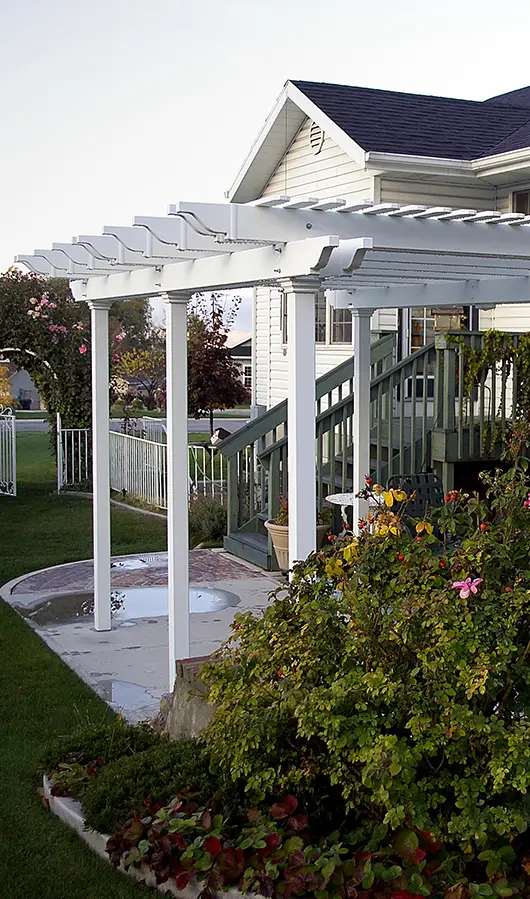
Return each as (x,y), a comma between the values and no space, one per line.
(251,547)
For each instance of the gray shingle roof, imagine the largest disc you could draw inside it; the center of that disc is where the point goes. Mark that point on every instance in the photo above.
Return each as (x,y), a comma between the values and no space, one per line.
(418,125)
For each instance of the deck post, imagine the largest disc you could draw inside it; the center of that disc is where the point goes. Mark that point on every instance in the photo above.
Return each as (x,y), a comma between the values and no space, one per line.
(361,409)
(99,316)
(301,428)
(177,479)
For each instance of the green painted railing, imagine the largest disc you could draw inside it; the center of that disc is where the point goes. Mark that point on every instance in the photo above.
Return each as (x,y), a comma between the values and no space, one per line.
(424,416)
(257,454)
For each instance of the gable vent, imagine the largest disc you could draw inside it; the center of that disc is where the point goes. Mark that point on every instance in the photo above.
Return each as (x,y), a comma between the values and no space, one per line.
(316,138)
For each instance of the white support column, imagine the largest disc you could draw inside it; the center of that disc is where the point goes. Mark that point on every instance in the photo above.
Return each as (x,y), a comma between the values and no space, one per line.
(301,416)
(361,409)
(177,479)
(99,314)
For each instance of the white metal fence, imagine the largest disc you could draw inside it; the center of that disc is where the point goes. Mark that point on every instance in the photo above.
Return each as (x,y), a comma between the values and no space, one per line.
(139,467)
(74,456)
(8,453)
(138,464)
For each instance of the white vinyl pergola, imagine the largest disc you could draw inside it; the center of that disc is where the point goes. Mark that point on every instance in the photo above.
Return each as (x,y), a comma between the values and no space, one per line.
(367,257)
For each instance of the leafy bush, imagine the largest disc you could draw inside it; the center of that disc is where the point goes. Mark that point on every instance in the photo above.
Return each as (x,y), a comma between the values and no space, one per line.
(161,772)
(72,761)
(392,679)
(273,855)
(207,521)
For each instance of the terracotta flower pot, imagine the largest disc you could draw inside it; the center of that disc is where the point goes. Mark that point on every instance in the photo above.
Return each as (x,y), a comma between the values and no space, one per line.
(280,540)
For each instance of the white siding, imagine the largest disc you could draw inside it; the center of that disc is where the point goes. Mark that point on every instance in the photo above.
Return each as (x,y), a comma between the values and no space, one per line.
(457,194)
(326,175)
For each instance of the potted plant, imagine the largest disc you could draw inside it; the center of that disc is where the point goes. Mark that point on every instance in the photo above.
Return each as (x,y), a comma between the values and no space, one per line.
(278,528)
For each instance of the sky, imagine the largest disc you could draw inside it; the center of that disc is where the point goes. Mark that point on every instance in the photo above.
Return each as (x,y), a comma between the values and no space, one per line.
(116,108)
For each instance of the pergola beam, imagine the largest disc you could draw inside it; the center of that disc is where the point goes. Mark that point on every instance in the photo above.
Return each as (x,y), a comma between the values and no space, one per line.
(440,293)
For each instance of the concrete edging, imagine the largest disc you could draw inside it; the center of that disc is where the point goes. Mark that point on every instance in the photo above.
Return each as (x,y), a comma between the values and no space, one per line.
(69,811)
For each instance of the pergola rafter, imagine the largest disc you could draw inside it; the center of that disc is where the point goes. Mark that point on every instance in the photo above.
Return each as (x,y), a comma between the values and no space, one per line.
(365,255)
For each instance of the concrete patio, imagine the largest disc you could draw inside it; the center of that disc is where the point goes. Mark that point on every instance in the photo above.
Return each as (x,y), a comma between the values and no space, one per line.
(127,665)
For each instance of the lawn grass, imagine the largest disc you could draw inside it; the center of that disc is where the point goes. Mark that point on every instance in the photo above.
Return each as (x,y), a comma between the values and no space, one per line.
(23,414)
(40,697)
(39,528)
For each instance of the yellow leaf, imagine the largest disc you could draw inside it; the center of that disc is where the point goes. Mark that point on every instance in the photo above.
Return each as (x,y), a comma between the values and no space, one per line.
(400,495)
(420,527)
(389,498)
(428,527)
(394,530)
(378,490)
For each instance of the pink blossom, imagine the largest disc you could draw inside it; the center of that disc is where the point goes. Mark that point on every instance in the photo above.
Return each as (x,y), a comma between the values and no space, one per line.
(115,357)
(44,301)
(82,349)
(526,503)
(52,327)
(62,329)
(468,586)
(119,337)
(52,305)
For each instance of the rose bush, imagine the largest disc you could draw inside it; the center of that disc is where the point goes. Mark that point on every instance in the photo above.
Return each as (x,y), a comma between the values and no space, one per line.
(390,683)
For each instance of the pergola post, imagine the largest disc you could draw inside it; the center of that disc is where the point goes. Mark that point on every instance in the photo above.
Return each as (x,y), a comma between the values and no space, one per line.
(99,315)
(361,409)
(177,478)
(301,458)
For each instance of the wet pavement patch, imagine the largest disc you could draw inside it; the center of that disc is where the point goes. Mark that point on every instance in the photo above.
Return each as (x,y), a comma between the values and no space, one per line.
(126,604)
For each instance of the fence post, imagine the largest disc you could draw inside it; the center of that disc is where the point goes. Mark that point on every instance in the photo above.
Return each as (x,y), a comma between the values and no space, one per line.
(59,454)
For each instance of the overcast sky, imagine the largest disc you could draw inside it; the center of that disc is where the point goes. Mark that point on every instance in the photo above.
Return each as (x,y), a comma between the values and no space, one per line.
(116,108)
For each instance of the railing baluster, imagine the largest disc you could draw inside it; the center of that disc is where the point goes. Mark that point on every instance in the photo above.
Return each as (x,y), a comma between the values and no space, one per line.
(412,420)
(402,422)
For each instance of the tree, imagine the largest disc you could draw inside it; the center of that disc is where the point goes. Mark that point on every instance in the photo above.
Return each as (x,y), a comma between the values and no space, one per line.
(147,367)
(214,381)
(43,330)
(5,393)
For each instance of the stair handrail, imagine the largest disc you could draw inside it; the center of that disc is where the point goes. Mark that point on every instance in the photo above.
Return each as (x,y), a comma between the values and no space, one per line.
(277,415)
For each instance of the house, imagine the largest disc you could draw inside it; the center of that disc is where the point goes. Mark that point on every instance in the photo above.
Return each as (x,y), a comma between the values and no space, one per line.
(331,141)
(242,354)
(22,388)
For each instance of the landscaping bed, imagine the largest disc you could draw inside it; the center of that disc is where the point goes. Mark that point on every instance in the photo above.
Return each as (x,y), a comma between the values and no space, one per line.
(370,736)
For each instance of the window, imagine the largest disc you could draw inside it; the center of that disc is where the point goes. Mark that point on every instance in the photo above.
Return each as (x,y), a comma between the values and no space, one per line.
(283,315)
(421,327)
(521,202)
(341,326)
(320,317)
(247,376)
(321,310)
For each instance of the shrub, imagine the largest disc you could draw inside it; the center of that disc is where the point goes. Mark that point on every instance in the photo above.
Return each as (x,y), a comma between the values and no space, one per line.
(272,854)
(72,760)
(161,772)
(207,521)
(393,676)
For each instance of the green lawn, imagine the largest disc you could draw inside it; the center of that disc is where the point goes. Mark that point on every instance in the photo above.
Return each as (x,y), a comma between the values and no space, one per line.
(25,414)
(40,696)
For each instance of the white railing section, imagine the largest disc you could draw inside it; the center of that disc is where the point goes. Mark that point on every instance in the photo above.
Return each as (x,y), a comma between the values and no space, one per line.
(153,428)
(8,453)
(138,465)
(74,450)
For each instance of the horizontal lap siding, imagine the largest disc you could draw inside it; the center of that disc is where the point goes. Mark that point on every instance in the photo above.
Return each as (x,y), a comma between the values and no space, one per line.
(326,175)
(456,194)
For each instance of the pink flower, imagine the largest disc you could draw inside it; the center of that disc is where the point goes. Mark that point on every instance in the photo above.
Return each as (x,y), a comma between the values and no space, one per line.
(44,301)
(526,503)
(82,349)
(52,327)
(62,329)
(52,305)
(119,337)
(468,586)
(115,357)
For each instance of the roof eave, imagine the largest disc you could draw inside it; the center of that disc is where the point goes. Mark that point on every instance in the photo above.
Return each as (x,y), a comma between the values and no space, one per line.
(258,167)
(502,163)
(425,165)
